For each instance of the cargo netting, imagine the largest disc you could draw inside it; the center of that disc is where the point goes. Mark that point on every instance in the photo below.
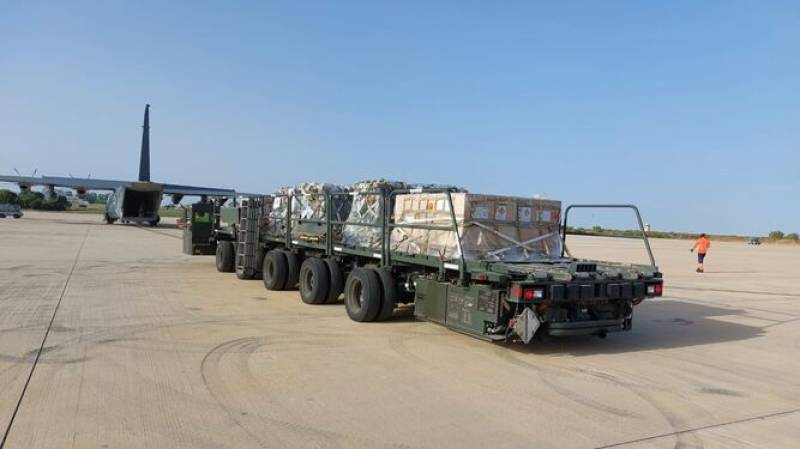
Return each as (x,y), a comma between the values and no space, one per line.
(366,210)
(500,228)
(308,208)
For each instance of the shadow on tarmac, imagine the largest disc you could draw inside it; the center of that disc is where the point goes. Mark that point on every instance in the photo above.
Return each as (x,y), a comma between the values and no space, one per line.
(94,221)
(656,325)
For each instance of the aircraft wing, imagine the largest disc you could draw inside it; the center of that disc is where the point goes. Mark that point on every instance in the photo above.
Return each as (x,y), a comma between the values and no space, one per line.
(72,183)
(175,189)
(108,184)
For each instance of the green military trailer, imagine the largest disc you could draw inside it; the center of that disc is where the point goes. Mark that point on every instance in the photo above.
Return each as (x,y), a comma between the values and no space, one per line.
(224,236)
(206,223)
(494,267)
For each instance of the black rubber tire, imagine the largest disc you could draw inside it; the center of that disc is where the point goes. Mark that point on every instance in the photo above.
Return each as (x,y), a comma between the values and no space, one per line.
(315,280)
(225,260)
(293,270)
(16,216)
(389,289)
(337,281)
(362,295)
(275,270)
(109,220)
(259,263)
(2,215)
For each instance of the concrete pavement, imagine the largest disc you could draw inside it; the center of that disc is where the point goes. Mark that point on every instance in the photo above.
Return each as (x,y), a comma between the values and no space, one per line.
(149,348)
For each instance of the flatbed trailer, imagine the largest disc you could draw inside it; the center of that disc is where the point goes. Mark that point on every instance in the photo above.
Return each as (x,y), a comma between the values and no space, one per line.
(490,299)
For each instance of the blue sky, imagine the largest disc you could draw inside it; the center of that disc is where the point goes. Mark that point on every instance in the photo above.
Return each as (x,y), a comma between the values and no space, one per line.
(689,109)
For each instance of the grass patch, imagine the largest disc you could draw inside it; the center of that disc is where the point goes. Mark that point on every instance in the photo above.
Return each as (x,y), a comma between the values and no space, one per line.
(90,209)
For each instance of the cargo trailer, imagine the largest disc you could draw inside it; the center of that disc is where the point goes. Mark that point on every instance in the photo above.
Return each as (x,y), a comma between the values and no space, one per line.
(494,267)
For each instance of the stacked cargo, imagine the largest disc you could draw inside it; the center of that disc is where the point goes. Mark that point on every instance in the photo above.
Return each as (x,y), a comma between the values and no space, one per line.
(366,210)
(309,210)
(491,227)
(275,219)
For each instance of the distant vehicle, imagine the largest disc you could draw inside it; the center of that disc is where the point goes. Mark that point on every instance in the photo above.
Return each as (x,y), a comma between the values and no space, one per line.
(130,201)
(754,241)
(77,202)
(12,210)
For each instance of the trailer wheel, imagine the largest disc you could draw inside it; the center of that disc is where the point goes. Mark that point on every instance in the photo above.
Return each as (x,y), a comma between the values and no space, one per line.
(389,294)
(17,216)
(293,270)
(225,262)
(314,281)
(362,295)
(275,270)
(258,274)
(337,280)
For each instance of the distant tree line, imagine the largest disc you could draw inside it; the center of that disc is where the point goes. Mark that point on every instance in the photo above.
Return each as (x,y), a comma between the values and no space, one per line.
(774,236)
(28,199)
(779,235)
(95,198)
(629,233)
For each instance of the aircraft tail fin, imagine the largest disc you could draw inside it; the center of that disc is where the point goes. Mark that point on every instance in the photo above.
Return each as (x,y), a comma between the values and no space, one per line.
(144,158)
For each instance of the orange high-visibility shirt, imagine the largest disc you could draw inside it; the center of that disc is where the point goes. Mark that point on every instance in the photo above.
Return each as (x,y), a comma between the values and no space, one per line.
(702,245)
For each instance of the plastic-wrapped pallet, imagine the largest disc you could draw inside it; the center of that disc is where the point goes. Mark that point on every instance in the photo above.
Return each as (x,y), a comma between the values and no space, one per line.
(276,217)
(491,227)
(366,208)
(309,206)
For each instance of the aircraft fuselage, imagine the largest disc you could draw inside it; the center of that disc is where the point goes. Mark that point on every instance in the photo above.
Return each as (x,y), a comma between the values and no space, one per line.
(138,203)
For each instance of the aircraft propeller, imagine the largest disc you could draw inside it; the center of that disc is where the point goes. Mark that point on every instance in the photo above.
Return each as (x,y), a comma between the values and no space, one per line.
(22,185)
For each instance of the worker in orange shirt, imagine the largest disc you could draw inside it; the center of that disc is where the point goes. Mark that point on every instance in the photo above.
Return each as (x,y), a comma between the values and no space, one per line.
(702,245)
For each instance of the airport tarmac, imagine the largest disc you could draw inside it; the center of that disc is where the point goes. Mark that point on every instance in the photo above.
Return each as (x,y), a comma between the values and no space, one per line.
(148,348)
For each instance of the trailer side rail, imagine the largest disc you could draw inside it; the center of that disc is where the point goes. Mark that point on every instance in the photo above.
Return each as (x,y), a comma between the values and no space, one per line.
(332,246)
(608,206)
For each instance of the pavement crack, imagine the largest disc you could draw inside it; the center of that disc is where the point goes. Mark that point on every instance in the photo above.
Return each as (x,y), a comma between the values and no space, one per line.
(42,348)
(697,429)
(724,290)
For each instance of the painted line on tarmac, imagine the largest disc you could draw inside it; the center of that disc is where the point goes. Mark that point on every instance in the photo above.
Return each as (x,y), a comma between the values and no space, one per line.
(720,290)
(44,341)
(737,307)
(697,429)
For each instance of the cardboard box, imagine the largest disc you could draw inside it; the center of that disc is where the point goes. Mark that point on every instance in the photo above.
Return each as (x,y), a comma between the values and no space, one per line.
(491,227)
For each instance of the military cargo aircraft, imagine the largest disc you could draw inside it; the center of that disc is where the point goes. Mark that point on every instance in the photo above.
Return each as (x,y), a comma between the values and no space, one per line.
(130,201)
